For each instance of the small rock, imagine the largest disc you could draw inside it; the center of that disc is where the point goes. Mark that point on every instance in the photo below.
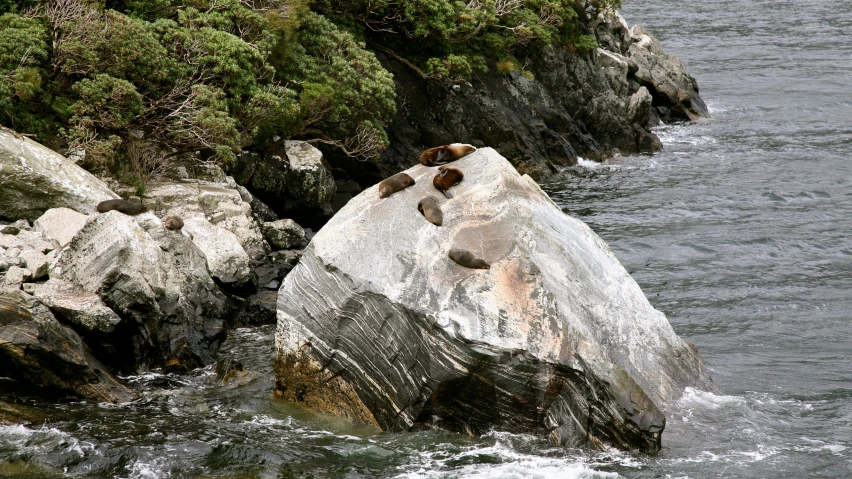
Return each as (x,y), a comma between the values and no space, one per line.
(36,262)
(60,224)
(35,240)
(182,173)
(17,275)
(274,284)
(284,234)
(75,305)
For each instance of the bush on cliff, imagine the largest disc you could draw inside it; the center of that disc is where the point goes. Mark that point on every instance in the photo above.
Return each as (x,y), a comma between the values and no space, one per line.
(186,76)
(451,39)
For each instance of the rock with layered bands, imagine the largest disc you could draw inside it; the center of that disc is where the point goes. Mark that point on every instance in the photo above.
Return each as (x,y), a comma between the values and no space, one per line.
(34,178)
(157,282)
(377,324)
(37,350)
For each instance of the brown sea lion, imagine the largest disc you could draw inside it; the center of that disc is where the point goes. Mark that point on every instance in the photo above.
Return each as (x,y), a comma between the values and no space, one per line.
(445,154)
(174,223)
(447,178)
(467,259)
(124,206)
(397,182)
(429,208)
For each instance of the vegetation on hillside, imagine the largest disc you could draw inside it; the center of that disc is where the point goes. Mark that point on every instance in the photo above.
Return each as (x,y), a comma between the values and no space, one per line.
(134,83)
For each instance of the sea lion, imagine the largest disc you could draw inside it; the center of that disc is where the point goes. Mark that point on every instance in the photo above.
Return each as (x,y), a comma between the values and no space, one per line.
(124,206)
(467,259)
(445,154)
(448,177)
(429,208)
(397,182)
(174,223)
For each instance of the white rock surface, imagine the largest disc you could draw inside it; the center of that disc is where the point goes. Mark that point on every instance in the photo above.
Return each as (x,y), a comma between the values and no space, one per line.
(34,178)
(218,203)
(226,259)
(376,323)
(60,224)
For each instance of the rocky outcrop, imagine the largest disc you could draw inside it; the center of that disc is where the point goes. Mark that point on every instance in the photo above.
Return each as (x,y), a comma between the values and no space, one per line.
(37,350)
(674,91)
(157,281)
(219,203)
(573,104)
(34,178)
(291,178)
(377,324)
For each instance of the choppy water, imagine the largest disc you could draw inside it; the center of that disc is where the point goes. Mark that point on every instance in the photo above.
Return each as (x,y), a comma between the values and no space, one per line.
(738,231)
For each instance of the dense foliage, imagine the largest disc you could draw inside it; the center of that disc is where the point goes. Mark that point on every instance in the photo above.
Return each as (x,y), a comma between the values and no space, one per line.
(151,79)
(132,83)
(450,39)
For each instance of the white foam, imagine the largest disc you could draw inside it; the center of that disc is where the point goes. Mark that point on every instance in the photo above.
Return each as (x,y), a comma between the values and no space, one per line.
(696,398)
(592,165)
(503,462)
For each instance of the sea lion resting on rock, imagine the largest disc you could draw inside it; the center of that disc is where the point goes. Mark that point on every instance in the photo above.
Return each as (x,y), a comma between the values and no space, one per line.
(445,154)
(447,178)
(124,206)
(174,223)
(467,259)
(429,208)
(397,182)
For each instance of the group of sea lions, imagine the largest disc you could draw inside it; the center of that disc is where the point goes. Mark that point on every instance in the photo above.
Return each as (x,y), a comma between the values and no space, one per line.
(446,178)
(130,208)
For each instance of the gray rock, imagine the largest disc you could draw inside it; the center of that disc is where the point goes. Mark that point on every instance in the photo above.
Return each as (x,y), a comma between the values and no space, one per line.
(34,178)
(292,179)
(60,224)
(309,180)
(161,287)
(82,309)
(221,205)
(639,107)
(666,76)
(15,276)
(284,234)
(36,349)
(36,262)
(35,240)
(377,324)
(226,259)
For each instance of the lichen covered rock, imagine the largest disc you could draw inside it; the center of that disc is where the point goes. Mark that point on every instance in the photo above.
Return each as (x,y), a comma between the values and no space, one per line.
(377,324)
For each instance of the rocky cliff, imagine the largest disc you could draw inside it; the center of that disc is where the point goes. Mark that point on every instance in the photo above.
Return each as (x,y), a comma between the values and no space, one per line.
(593,104)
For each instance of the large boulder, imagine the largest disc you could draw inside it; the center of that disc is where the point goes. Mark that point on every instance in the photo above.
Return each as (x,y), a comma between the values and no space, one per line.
(37,350)
(377,324)
(157,281)
(34,178)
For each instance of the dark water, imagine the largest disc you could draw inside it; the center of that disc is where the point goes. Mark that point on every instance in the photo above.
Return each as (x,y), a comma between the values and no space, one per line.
(738,231)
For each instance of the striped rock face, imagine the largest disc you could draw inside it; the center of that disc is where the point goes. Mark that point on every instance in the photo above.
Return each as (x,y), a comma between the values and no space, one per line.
(377,324)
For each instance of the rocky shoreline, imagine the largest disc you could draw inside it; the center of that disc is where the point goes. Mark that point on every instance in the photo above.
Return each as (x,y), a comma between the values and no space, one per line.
(86,297)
